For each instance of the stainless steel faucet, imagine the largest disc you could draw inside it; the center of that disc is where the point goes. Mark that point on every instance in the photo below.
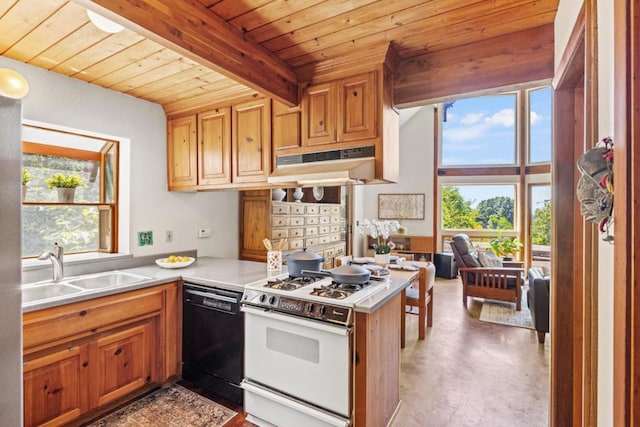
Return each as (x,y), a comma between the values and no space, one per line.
(56,260)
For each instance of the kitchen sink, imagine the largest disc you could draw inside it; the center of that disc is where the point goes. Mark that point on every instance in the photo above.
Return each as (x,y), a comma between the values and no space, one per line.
(44,291)
(107,280)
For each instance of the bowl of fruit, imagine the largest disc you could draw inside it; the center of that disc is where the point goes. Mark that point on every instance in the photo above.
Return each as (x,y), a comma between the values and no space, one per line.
(175,261)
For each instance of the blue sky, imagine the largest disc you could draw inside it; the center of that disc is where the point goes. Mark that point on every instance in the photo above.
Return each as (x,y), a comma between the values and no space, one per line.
(481,131)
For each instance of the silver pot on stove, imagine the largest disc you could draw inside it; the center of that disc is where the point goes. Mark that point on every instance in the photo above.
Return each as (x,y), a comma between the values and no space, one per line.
(303,260)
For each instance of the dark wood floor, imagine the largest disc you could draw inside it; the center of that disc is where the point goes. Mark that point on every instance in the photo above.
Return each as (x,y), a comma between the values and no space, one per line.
(467,372)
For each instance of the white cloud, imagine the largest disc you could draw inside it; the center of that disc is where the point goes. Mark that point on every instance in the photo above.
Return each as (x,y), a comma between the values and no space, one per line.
(534,117)
(472,118)
(464,134)
(504,117)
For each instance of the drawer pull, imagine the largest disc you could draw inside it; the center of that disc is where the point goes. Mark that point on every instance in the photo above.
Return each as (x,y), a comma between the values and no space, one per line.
(83,313)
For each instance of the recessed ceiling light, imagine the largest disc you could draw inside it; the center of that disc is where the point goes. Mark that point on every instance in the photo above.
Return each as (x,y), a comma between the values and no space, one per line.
(106,25)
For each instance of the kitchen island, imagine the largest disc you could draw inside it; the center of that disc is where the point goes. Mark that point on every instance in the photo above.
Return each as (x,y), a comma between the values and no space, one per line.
(376,327)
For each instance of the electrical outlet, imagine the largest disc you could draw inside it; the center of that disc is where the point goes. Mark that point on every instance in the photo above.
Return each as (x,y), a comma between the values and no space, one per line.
(145,238)
(168,236)
(204,232)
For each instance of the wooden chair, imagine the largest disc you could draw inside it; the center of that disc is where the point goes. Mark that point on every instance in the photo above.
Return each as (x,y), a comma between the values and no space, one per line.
(499,283)
(420,295)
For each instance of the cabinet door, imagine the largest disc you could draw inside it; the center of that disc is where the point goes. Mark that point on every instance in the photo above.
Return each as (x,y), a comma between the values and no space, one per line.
(182,157)
(319,114)
(123,361)
(55,387)
(255,225)
(357,106)
(251,149)
(286,127)
(214,149)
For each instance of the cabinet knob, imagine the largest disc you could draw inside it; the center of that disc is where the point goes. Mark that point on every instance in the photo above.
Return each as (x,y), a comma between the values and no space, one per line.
(83,313)
(117,352)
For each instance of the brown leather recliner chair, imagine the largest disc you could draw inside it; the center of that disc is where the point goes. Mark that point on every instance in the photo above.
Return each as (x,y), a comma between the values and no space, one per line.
(499,283)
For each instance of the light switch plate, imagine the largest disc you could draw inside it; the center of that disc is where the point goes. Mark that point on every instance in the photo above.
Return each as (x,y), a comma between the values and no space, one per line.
(145,238)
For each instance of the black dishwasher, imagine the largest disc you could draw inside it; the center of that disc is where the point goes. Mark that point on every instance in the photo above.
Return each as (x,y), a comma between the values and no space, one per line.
(213,340)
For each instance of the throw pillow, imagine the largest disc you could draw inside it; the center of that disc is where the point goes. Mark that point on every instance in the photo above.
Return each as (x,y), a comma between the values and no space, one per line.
(489,259)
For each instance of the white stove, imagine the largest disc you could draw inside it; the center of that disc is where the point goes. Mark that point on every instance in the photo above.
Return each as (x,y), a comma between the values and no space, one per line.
(299,351)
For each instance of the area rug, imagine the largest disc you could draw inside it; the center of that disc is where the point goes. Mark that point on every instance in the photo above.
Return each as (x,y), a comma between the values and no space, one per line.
(505,313)
(174,406)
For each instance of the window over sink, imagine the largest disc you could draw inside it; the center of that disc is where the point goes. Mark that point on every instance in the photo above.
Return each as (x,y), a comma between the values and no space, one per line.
(83,222)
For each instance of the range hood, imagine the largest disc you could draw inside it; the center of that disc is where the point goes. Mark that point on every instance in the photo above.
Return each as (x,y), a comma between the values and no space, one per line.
(347,166)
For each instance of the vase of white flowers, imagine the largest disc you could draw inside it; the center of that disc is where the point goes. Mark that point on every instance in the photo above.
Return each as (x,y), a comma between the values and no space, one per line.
(380,231)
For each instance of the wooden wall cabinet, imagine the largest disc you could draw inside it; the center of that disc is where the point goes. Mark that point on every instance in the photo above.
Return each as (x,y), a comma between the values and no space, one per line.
(214,147)
(340,111)
(223,147)
(182,152)
(251,136)
(81,356)
(286,127)
(319,114)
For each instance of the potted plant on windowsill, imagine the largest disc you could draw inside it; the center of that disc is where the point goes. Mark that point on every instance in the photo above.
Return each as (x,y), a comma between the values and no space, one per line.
(26,177)
(505,247)
(66,185)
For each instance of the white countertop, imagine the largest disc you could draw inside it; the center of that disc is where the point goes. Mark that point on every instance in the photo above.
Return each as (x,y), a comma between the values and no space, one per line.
(230,274)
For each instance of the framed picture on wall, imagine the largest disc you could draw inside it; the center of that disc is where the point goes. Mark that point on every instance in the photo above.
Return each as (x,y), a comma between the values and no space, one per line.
(401,206)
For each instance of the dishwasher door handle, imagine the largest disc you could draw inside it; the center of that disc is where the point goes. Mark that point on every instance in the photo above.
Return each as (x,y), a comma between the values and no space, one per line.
(212,295)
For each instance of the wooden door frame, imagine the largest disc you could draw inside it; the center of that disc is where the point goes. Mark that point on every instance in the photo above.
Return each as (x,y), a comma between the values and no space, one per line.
(574,290)
(626,322)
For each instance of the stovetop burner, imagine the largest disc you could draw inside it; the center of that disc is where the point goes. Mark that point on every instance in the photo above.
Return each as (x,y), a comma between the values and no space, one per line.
(290,283)
(337,290)
(330,293)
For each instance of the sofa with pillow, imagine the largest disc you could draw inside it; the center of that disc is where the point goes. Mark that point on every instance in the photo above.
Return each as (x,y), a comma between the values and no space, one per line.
(538,301)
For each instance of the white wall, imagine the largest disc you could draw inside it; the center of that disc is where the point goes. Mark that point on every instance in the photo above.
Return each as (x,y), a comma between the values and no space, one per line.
(72,104)
(567,13)
(416,174)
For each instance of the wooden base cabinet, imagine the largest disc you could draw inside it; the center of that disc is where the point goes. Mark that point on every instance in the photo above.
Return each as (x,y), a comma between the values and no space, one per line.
(54,386)
(124,362)
(82,356)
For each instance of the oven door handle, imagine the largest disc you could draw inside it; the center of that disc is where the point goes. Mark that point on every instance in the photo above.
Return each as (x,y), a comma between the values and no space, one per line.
(211,295)
(307,323)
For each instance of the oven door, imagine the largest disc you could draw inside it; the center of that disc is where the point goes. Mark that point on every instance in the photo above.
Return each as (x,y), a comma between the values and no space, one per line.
(303,358)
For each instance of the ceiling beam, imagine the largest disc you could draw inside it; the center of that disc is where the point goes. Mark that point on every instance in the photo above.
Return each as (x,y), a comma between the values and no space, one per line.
(508,60)
(189,28)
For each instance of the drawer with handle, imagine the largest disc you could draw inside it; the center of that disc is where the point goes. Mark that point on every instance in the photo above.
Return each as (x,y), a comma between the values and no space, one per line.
(279,221)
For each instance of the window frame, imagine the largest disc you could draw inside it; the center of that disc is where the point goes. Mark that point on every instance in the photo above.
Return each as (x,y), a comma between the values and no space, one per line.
(107,211)
(522,174)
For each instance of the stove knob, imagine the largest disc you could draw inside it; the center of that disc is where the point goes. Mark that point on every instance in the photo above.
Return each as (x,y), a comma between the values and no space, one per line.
(272,300)
(263,297)
(323,310)
(311,308)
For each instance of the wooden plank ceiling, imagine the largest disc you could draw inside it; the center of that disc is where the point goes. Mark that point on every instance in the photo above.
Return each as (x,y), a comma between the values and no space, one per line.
(293,39)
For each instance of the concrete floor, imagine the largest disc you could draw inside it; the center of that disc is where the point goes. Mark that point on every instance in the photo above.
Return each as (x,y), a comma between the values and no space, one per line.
(471,373)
